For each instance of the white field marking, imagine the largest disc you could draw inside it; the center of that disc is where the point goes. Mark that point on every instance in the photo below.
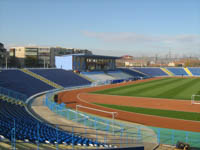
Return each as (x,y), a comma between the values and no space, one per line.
(113,113)
(141,97)
(80,99)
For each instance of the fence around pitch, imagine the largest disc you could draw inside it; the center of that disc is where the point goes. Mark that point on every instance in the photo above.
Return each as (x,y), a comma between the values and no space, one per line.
(12,94)
(162,135)
(100,136)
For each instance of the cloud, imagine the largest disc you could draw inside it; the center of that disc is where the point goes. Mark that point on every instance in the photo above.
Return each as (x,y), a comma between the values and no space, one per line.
(130,37)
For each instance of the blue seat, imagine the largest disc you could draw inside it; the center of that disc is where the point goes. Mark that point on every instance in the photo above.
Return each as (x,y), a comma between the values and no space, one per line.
(26,127)
(18,81)
(65,78)
(177,71)
(151,71)
(133,73)
(195,71)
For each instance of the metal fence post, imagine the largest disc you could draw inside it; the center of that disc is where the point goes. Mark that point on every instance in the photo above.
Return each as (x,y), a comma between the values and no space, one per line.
(127,138)
(56,137)
(13,140)
(38,135)
(121,134)
(186,137)
(76,116)
(95,123)
(96,136)
(85,133)
(139,136)
(72,137)
(105,138)
(68,114)
(172,136)
(158,135)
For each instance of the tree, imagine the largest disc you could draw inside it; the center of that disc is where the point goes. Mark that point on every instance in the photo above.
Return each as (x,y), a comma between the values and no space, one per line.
(14,62)
(31,62)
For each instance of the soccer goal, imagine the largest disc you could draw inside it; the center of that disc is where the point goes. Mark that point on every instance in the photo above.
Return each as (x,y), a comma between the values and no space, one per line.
(195,99)
(113,114)
(107,112)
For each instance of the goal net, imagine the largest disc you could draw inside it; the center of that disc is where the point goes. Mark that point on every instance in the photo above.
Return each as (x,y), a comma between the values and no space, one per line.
(195,99)
(100,121)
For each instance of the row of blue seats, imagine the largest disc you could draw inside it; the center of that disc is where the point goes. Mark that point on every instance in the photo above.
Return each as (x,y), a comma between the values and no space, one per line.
(151,71)
(28,128)
(12,94)
(16,116)
(18,81)
(177,71)
(195,71)
(132,72)
(65,78)
(145,72)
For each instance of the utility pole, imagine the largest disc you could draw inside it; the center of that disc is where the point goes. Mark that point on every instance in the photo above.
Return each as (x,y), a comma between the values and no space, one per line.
(6,62)
(44,62)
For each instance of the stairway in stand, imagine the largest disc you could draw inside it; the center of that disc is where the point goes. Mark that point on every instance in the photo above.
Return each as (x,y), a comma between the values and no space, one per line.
(53,84)
(188,71)
(167,71)
(139,72)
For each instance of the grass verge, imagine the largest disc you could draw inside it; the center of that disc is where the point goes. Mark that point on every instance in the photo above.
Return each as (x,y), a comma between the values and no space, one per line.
(170,88)
(157,112)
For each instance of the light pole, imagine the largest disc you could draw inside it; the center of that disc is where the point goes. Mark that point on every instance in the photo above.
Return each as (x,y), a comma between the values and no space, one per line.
(44,62)
(6,62)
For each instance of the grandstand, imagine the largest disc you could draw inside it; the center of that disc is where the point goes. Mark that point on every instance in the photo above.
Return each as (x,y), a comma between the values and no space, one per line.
(118,74)
(98,76)
(17,123)
(195,71)
(152,72)
(16,80)
(178,71)
(28,128)
(61,77)
(134,73)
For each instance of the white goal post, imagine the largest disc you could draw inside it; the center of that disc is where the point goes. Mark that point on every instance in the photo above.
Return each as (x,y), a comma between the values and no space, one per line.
(193,100)
(108,112)
(94,109)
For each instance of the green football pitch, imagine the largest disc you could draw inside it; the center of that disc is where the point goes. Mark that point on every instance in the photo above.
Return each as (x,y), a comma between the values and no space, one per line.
(170,88)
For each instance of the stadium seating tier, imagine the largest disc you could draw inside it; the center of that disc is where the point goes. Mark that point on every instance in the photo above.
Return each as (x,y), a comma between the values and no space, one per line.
(195,71)
(153,72)
(177,71)
(22,83)
(15,118)
(65,78)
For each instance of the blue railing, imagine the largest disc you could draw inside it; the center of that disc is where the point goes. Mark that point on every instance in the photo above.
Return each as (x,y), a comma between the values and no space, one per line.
(13,94)
(147,134)
(111,127)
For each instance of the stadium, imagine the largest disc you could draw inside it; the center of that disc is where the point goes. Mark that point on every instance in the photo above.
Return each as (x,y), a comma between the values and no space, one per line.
(94,105)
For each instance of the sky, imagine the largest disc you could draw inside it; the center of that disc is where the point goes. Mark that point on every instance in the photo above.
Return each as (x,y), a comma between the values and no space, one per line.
(107,27)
